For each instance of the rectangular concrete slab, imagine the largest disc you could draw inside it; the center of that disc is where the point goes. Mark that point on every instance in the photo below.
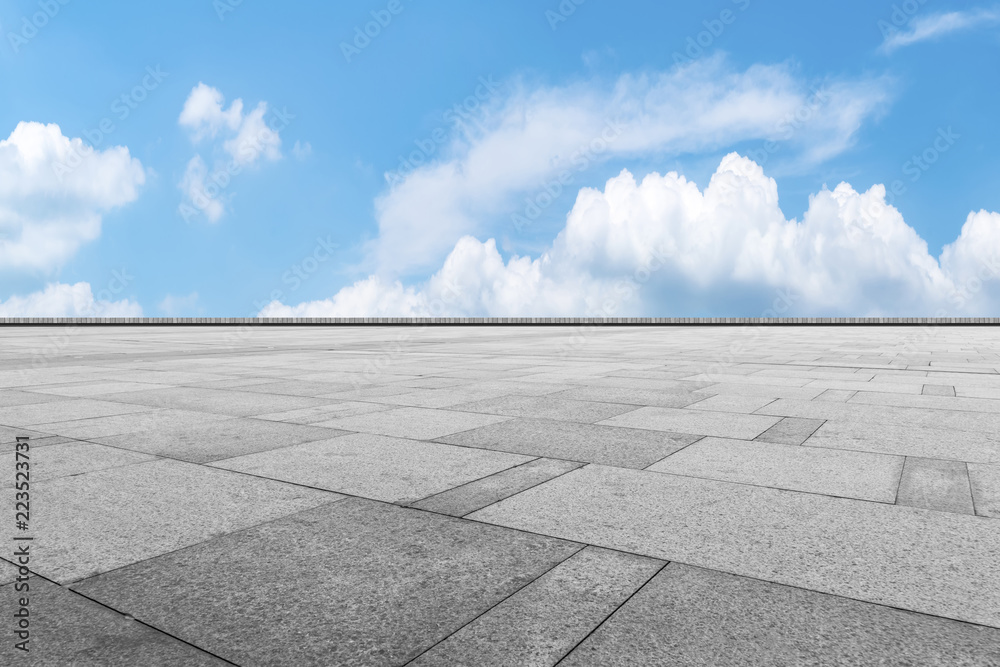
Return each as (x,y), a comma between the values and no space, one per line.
(222,440)
(8,572)
(219,401)
(546,407)
(938,390)
(698,422)
(904,440)
(353,583)
(732,403)
(985,481)
(692,616)
(321,413)
(933,484)
(477,494)
(75,458)
(416,423)
(632,396)
(68,629)
(155,419)
(543,621)
(13,397)
(830,472)
(833,395)
(790,431)
(900,556)
(102,520)
(87,389)
(589,443)
(375,466)
(64,410)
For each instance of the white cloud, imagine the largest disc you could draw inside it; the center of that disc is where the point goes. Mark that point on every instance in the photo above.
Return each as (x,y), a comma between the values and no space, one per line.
(246,138)
(662,247)
(179,306)
(525,140)
(923,28)
(62,300)
(53,193)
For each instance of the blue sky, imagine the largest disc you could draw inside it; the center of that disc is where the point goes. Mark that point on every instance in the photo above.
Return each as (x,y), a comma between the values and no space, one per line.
(609,98)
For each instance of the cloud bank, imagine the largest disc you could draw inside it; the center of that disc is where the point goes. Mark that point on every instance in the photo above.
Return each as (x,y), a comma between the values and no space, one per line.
(54,191)
(62,300)
(663,247)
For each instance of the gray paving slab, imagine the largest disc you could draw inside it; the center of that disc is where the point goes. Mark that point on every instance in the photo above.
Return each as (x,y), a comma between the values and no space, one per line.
(154,419)
(546,407)
(790,431)
(352,583)
(375,466)
(985,480)
(8,572)
(542,622)
(88,389)
(856,410)
(632,396)
(477,494)
(698,422)
(297,388)
(64,410)
(326,412)
(589,443)
(13,397)
(92,523)
(833,395)
(831,472)
(938,390)
(68,629)
(929,401)
(441,398)
(222,440)
(899,556)
(231,402)
(416,423)
(732,403)
(902,440)
(75,458)
(692,616)
(933,484)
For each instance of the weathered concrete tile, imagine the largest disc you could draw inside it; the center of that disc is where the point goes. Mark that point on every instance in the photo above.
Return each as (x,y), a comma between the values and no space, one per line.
(68,629)
(632,396)
(899,556)
(904,440)
(98,388)
(985,481)
(75,458)
(297,388)
(698,422)
(376,466)
(759,390)
(857,411)
(222,440)
(96,522)
(834,395)
(542,622)
(726,377)
(477,494)
(364,393)
(827,471)
(236,403)
(691,616)
(64,410)
(352,583)
(894,388)
(13,397)
(933,484)
(440,398)
(153,419)
(790,431)
(955,406)
(416,423)
(322,413)
(732,403)
(590,443)
(546,407)
(938,390)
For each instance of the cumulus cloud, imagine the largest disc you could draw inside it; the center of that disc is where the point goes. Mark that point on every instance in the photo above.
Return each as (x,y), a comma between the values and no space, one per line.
(522,139)
(238,140)
(664,247)
(62,300)
(54,191)
(933,26)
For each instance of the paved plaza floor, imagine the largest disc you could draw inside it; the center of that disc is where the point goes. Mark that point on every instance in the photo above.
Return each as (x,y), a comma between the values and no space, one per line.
(503,495)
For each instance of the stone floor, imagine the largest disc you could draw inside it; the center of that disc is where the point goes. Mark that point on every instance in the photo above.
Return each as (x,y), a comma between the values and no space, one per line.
(516,496)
